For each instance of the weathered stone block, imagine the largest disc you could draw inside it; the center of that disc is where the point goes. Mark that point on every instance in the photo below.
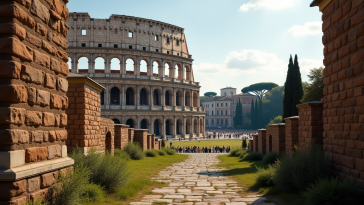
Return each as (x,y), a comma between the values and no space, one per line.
(33,118)
(42,59)
(36,136)
(40,10)
(48,119)
(43,98)
(10,69)
(50,81)
(56,101)
(11,115)
(13,28)
(12,46)
(12,10)
(35,154)
(33,184)
(12,189)
(54,151)
(14,93)
(32,75)
(14,136)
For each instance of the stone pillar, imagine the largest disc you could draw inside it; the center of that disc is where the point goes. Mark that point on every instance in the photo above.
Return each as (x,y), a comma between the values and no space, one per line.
(310,124)
(275,138)
(34,87)
(198,127)
(137,67)
(183,131)
(138,122)
(174,133)
(163,133)
(291,134)
(121,136)
(123,66)
(141,137)
(163,100)
(107,94)
(74,64)
(137,102)
(262,141)
(123,96)
(151,128)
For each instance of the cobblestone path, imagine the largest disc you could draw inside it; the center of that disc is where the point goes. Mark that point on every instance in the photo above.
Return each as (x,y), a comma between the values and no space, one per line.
(196,181)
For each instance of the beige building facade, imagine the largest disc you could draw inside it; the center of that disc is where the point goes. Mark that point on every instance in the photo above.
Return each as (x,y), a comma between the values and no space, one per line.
(166,101)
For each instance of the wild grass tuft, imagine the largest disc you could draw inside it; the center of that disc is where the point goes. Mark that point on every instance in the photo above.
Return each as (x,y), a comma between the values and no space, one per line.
(265,177)
(134,151)
(161,152)
(169,151)
(252,156)
(271,158)
(93,193)
(151,153)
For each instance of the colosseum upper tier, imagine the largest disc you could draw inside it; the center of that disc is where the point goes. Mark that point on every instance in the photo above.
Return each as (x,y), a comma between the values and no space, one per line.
(165,99)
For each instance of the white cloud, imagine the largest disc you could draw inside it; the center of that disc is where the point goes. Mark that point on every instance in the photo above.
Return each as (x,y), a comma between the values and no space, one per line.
(240,69)
(309,28)
(268,4)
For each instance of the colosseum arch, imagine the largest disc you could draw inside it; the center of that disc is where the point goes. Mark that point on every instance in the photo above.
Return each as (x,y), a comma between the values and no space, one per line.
(179,125)
(195,126)
(83,65)
(130,96)
(131,123)
(144,124)
(143,96)
(157,124)
(115,65)
(157,97)
(188,98)
(156,66)
(167,70)
(179,98)
(130,66)
(115,96)
(179,71)
(143,66)
(99,63)
(168,97)
(102,97)
(188,126)
(188,73)
(195,99)
(116,121)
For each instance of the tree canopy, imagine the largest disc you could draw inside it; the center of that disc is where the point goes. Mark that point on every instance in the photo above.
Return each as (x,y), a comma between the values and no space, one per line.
(259,89)
(272,104)
(207,94)
(313,91)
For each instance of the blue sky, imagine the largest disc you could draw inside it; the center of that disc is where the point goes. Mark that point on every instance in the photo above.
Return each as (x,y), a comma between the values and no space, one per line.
(233,42)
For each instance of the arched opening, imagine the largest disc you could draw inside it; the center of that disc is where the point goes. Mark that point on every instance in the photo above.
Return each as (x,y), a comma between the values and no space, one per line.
(102,97)
(179,98)
(130,67)
(156,97)
(130,122)
(116,121)
(188,73)
(195,126)
(155,68)
(195,100)
(69,64)
(99,65)
(270,144)
(188,126)
(115,96)
(168,128)
(143,68)
(156,125)
(178,72)
(115,65)
(143,97)
(166,70)
(168,98)
(108,142)
(187,99)
(179,127)
(201,126)
(129,96)
(144,124)
(82,65)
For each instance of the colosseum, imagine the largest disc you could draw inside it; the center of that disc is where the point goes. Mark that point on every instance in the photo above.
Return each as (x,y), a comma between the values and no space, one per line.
(146,69)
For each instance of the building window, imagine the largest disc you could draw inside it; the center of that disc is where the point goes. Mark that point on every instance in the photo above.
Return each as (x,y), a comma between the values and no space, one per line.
(222,113)
(116,31)
(156,50)
(115,45)
(156,38)
(212,112)
(130,34)
(130,47)
(212,105)
(177,54)
(226,104)
(83,45)
(221,105)
(167,40)
(212,122)
(226,112)
(167,52)
(224,93)
(247,102)
(177,42)
(100,45)
(144,48)
(83,32)
(217,105)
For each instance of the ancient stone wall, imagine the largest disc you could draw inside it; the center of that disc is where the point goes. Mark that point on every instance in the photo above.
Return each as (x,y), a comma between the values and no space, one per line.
(131,135)
(33,72)
(275,138)
(86,129)
(262,141)
(141,137)
(310,124)
(121,135)
(291,140)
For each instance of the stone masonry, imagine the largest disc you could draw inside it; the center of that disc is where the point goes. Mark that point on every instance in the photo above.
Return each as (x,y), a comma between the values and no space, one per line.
(262,141)
(275,138)
(291,138)
(121,135)
(141,137)
(33,62)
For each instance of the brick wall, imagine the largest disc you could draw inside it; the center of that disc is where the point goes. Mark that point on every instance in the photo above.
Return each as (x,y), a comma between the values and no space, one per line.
(262,141)
(86,128)
(255,143)
(149,141)
(121,135)
(141,137)
(343,27)
(291,133)
(33,99)
(275,138)
(310,123)
(131,135)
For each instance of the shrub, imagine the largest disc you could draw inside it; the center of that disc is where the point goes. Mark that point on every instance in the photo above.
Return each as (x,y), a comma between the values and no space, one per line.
(121,154)
(161,152)
(93,192)
(134,151)
(331,192)
(271,158)
(111,172)
(235,152)
(37,202)
(70,186)
(244,144)
(305,167)
(251,156)
(265,177)
(150,153)
(169,151)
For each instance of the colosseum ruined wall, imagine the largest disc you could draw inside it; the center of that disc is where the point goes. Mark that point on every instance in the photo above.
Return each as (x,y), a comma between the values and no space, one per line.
(165,99)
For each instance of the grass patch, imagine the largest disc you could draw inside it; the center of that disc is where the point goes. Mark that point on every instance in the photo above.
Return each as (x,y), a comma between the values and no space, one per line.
(151,153)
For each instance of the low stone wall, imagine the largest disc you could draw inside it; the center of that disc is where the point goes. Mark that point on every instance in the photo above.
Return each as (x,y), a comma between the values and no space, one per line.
(121,135)
(291,134)
(262,141)
(131,135)
(141,137)
(275,138)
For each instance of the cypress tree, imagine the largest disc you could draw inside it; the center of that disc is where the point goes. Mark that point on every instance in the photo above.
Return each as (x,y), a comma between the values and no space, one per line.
(287,99)
(297,84)
(261,123)
(238,119)
(252,116)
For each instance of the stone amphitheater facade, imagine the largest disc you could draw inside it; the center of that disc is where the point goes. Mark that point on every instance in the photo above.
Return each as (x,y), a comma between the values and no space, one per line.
(165,102)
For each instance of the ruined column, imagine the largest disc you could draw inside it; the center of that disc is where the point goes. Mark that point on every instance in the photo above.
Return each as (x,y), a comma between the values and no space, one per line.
(33,94)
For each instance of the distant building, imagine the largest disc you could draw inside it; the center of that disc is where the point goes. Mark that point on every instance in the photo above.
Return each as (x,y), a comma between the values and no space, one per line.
(220,111)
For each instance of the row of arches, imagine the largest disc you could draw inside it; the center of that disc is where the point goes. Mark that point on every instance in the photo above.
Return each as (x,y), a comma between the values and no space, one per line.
(133,66)
(143,97)
(197,126)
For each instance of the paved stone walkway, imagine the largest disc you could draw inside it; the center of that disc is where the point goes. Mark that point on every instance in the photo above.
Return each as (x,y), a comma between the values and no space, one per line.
(196,181)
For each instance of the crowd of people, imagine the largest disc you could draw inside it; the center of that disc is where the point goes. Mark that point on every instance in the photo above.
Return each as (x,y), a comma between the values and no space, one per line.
(196,149)
(229,133)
